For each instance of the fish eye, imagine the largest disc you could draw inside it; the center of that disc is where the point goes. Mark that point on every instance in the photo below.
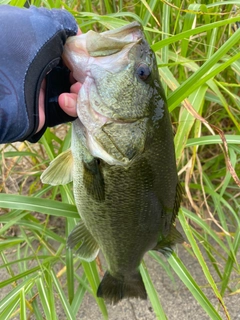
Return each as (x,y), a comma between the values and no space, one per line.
(143,71)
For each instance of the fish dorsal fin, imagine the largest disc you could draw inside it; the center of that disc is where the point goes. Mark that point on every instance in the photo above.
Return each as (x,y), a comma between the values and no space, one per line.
(93,179)
(60,170)
(165,245)
(87,246)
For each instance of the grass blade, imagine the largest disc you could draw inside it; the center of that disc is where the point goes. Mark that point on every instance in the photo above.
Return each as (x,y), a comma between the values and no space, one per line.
(15,293)
(55,208)
(152,293)
(187,87)
(23,314)
(68,310)
(91,273)
(8,311)
(192,286)
(201,260)
(78,297)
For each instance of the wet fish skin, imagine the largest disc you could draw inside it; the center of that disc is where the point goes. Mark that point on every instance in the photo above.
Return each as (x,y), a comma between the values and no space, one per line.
(123,161)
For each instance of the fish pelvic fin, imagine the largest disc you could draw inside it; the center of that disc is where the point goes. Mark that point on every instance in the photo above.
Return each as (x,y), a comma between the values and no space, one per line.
(113,289)
(60,170)
(86,246)
(165,244)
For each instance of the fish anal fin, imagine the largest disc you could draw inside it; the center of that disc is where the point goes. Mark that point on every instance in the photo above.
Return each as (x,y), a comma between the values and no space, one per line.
(113,289)
(93,180)
(59,171)
(165,244)
(86,246)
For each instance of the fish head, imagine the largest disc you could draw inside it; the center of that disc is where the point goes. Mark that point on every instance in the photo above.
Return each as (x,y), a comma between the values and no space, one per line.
(121,98)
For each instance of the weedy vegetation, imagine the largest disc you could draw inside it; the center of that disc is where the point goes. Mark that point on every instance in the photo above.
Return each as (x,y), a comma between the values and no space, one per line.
(197,45)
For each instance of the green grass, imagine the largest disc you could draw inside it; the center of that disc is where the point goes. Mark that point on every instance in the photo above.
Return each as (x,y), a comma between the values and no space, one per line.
(199,64)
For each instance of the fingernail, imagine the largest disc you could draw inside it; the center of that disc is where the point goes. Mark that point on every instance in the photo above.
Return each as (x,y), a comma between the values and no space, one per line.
(69,102)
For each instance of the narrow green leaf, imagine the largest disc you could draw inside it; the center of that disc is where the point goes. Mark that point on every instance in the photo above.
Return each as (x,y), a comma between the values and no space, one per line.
(163,264)
(50,292)
(206,228)
(8,243)
(215,139)
(190,283)
(43,295)
(25,285)
(19,276)
(23,314)
(36,311)
(66,306)
(78,297)
(55,208)
(186,120)
(201,260)
(158,45)
(223,3)
(152,4)
(152,293)
(205,70)
(230,261)
(90,270)
(10,308)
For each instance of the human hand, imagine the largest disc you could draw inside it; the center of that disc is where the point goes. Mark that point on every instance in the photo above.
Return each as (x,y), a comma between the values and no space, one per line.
(67,101)
(32,45)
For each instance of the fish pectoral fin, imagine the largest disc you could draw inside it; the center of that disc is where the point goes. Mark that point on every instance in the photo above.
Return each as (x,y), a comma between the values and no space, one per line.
(165,244)
(87,246)
(60,170)
(93,180)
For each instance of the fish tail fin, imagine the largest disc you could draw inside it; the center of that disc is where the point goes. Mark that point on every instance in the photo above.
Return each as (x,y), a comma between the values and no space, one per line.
(113,289)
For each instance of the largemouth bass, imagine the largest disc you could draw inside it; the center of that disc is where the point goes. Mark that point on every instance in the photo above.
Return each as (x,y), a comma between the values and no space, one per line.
(122,160)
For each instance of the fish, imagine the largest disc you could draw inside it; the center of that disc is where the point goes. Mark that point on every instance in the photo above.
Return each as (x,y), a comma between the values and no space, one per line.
(122,159)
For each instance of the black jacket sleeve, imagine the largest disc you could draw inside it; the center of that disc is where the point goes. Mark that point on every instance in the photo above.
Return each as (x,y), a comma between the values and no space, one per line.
(31,46)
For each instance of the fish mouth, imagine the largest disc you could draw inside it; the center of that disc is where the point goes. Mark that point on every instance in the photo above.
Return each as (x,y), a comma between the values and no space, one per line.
(87,55)
(82,51)
(93,58)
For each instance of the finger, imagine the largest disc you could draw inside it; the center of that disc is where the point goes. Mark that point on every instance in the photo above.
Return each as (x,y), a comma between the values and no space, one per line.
(41,110)
(68,103)
(75,87)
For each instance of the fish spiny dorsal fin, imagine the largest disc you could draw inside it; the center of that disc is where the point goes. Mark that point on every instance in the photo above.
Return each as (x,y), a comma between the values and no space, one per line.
(60,170)
(113,289)
(80,236)
(93,179)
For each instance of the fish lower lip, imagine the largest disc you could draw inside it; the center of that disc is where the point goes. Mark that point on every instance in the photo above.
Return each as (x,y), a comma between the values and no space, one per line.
(123,121)
(128,120)
(107,120)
